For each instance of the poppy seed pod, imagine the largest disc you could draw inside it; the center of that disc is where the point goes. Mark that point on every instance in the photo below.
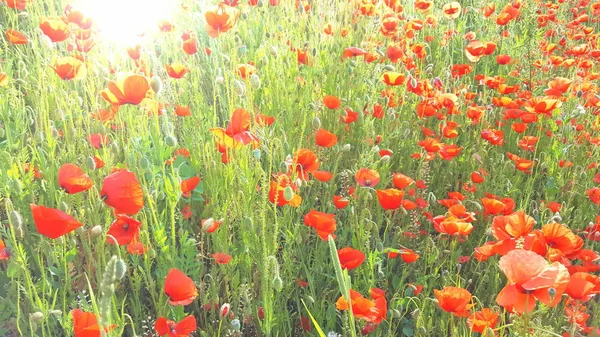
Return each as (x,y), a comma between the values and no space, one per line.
(288,193)
(236,325)
(145,163)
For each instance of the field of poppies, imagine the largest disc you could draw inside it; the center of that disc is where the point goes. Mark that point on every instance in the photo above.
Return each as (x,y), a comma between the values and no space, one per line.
(299,168)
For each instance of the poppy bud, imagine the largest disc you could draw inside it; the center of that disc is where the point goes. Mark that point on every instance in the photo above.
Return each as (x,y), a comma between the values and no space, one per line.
(347,147)
(224,310)
(156,84)
(242,49)
(415,314)
(207,224)
(39,137)
(239,87)
(256,153)
(144,163)
(15,219)
(277,284)
(255,81)
(288,193)
(2,132)
(36,316)
(171,141)
(120,269)
(63,206)
(90,163)
(55,312)
(236,325)
(152,253)
(396,313)
(375,149)
(96,231)
(385,158)
(353,63)
(226,58)
(161,196)
(316,123)
(114,148)
(219,80)
(310,299)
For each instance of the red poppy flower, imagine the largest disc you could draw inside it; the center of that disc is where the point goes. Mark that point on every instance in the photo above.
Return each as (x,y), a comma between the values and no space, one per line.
(305,161)
(53,223)
(188,185)
(456,301)
(323,223)
(210,225)
(68,68)
(180,288)
(323,176)
(325,138)
(220,19)
(362,308)
(482,320)
(277,188)
(390,199)
(122,191)
(135,247)
(128,89)
(332,102)
(409,255)
(85,324)
(17,4)
(340,202)
(124,229)
(55,28)
(350,258)
(16,37)
(184,328)
(176,70)
(73,180)
(264,120)
(393,78)
(221,258)
(183,111)
(583,286)
(367,177)
(561,241)
(4,253)
(401,181)
(530,277)
(237,133)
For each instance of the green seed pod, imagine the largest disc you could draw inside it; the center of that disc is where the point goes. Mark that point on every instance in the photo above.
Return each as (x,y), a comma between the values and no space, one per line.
(2,132)
(379,247)
(171,141)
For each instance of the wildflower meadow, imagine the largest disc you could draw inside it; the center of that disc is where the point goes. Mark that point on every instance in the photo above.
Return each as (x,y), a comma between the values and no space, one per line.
(334,168)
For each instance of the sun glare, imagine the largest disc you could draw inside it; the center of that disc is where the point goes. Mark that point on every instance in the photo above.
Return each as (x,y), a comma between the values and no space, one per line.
(124,21)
